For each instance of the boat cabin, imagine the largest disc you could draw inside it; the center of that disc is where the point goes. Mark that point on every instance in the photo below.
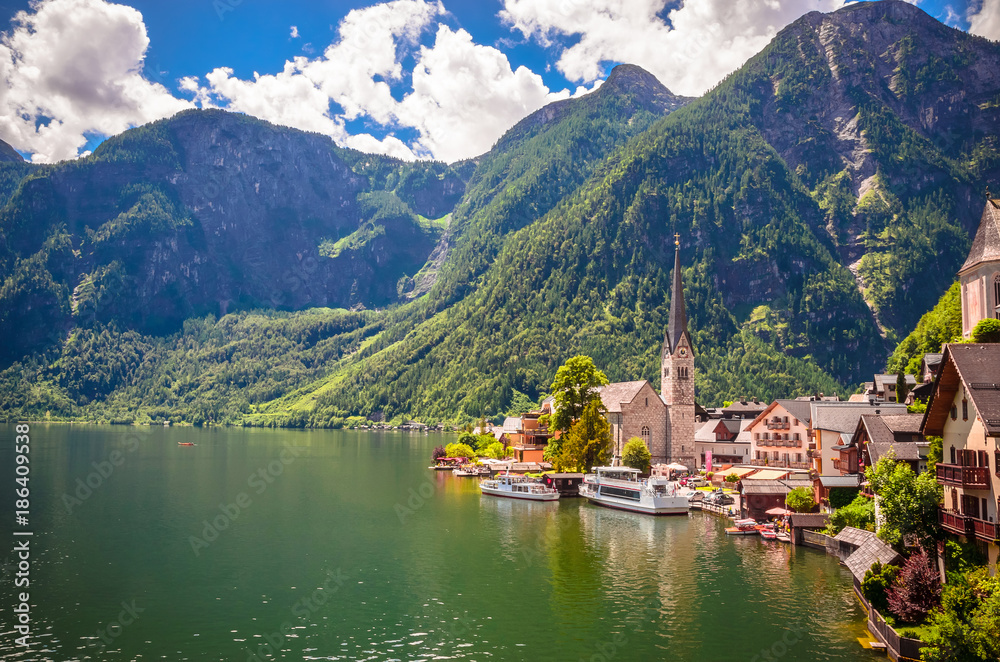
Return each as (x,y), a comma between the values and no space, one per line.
(618,473)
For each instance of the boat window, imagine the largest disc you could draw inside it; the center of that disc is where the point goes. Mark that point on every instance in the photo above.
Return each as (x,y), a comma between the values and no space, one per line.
(607,490)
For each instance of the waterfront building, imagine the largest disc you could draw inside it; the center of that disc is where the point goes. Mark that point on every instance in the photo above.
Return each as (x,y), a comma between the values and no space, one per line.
(526,436)
(759,496)
(665,421)
(980,274)
(964,410)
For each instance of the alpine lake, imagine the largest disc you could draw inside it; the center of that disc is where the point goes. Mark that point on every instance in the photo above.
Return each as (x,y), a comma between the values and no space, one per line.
(343,545)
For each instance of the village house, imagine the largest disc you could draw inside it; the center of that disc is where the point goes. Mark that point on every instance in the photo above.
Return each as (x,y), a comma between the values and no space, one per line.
(723,441)
(874,437)
(883,389)
(779,436)
(833,425)
(964,411)
(744,408)
(526,436)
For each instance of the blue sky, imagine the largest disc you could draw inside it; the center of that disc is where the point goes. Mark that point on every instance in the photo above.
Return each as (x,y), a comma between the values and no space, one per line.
(413,78)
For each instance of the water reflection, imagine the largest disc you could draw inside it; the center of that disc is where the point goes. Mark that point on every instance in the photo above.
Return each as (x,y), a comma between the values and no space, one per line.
(457,575)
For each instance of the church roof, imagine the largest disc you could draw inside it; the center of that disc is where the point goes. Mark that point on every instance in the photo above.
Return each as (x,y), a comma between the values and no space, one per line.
(614,395)
(986,245)
(677,326)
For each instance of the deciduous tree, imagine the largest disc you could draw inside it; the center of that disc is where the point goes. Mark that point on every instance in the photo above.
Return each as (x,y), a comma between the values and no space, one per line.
(800,500)
(907,503)
(917,589)
(635,454)
(575,387)
(588,442)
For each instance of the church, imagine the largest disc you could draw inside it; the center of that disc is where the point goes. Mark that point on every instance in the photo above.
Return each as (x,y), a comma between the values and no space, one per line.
(664,421)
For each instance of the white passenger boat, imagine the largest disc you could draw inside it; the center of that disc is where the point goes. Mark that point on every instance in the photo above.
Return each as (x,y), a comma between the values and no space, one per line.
(518,487)
(620,487)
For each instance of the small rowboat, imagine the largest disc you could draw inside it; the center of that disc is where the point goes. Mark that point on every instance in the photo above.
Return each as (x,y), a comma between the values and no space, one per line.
(185,443)
(768,534)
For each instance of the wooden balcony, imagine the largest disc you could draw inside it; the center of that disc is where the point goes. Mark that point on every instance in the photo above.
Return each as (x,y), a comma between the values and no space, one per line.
(778,425)
(974,478)
(970,527)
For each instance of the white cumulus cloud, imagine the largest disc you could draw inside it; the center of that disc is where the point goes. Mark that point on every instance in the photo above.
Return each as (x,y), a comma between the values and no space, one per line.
(73,68)
(986,21)
(461,97)
(699,44)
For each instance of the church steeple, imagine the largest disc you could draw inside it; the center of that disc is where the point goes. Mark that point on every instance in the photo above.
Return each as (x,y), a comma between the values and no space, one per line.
(677,374)
(677,327)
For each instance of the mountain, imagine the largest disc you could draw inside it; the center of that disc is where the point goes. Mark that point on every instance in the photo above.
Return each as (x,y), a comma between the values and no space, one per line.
(8,154)
(209,211)
(824,196)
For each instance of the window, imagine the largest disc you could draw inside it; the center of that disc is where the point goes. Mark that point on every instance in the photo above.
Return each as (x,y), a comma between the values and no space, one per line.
(645,435)
(775,456)
(954,413)
(996,295)
(798,457)
(965,409)
(647,402)
(970,506)
(952,455)
(996,462)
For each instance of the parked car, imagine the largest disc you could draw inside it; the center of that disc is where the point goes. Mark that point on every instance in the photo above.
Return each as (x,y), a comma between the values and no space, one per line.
(719,498)
(696,496)
(697,481)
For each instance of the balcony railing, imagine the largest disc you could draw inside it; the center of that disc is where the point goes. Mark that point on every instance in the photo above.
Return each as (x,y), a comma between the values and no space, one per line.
(785,443)
(970,527)
(976,478)
(778,425)
(780,464)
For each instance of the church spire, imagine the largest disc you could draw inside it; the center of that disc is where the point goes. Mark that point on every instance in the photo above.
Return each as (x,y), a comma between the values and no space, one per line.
(677,326)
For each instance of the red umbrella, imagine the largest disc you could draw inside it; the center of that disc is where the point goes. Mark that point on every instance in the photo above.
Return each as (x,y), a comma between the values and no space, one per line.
(777,511)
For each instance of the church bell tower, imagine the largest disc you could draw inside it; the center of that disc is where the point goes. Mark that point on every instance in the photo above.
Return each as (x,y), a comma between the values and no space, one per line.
(677,375)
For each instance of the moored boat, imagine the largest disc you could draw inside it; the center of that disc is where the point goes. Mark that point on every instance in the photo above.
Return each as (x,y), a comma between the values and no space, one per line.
(768,534)
(742,527)
(621,488)
(518,487)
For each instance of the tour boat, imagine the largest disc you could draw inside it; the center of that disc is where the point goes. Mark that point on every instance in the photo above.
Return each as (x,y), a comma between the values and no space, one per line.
(743,527)
(518,487)
(621,488)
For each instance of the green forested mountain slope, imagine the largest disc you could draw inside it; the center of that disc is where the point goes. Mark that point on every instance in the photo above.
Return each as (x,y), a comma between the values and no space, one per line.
(824,195)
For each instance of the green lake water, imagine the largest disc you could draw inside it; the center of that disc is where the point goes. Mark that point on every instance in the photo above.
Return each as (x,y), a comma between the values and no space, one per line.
(346,547)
